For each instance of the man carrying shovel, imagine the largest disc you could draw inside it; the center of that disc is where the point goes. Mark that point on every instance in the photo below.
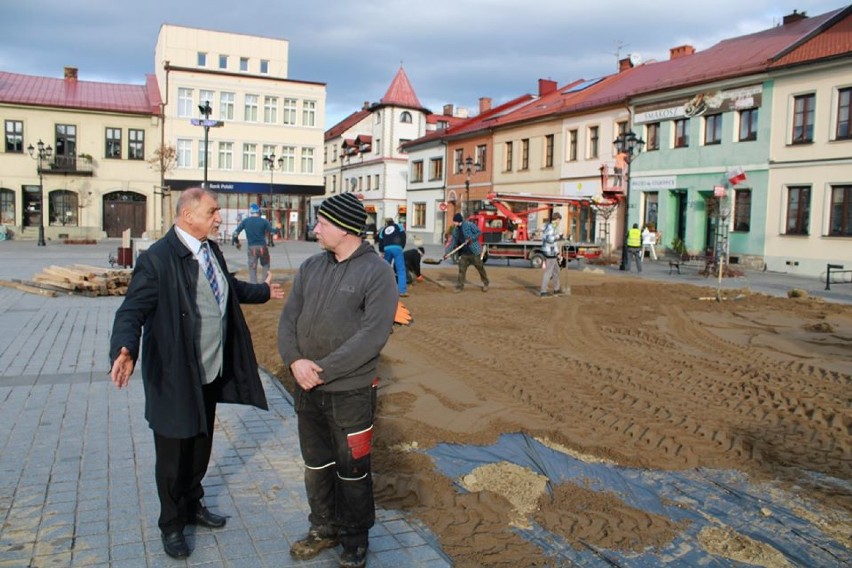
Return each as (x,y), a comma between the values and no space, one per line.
(466,242)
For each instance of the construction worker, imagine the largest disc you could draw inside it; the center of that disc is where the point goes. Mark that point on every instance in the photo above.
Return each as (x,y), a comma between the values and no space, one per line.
(552,249)
(256,229)
(634,248)
(391,243)
(412,264)
(466,238)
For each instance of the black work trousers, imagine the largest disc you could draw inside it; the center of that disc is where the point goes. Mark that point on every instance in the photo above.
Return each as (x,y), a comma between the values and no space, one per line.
(181,465)
(335,434)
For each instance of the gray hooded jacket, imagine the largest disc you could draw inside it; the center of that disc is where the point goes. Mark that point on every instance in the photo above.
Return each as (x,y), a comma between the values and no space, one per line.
(340,315)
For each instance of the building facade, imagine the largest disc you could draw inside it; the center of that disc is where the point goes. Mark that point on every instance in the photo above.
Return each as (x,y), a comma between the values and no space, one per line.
(234,118)
(92,180)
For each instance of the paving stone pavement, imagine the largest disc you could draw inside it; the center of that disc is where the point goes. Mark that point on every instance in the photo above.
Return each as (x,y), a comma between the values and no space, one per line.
(77,459)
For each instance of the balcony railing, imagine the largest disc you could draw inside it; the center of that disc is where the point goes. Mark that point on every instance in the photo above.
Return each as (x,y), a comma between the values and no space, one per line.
(67,165)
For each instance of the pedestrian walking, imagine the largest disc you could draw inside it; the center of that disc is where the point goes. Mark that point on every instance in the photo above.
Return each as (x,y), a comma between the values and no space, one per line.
(257,231)
(552,249)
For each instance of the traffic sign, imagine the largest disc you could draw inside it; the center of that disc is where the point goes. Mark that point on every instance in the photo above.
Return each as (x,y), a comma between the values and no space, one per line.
(207,123)
(442,206)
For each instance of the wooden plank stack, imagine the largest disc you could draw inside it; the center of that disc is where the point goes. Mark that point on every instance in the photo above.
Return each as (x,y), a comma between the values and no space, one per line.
(81,280)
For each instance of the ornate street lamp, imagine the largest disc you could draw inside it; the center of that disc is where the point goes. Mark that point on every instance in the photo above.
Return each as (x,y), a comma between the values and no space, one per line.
(41,154)
(272,165)
(205,110)
(468,166)
(626,144)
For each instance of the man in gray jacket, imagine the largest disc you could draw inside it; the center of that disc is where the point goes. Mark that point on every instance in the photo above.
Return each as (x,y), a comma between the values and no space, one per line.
(336,320)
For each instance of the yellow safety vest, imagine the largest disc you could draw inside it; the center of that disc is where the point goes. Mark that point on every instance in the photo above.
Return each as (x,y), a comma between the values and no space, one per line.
(634,238)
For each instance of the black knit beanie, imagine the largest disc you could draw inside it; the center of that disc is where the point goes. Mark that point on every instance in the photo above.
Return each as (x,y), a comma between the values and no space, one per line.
(457,218)
(345,211)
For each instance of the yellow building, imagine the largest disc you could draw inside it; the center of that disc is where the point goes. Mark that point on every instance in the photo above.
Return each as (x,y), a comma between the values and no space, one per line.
(91,178)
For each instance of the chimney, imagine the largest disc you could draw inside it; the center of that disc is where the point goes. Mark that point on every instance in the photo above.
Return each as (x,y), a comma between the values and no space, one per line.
(546,86)
(681,51)
(71,73)
(366,105)
(484,104)
(796,16)
(448,109)
(624,64)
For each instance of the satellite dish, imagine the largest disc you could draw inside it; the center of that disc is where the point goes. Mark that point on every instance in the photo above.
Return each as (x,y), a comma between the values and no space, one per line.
(635,59)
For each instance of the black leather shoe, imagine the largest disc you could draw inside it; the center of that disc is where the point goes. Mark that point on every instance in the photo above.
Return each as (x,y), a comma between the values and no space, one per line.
(174,544)
(205,518)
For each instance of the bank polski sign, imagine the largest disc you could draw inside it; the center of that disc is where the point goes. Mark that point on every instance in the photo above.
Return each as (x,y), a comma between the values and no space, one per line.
(656,183)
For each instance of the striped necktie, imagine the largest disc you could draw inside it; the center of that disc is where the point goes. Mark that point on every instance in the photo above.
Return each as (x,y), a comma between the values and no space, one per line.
(211,272)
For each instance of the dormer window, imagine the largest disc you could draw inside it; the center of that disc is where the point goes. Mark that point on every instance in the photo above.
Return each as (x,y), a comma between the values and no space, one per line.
(405,117)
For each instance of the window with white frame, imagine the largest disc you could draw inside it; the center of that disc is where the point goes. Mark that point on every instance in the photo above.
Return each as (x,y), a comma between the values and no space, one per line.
(418,215)
(264,66)
(268,150)
(184,153)
(202,59)
(481,156)
(7,206)
(840,214)
(113,143)
(405,117)
(307,160)
(309,113)
(548,151)
(712,129)
(572,145)
(798,210)
(223,62)
(135,144)
(15,136)
(244,62)
(290,112)
(458,160)
(226,155)
(270,110)
(748,125)
(251,108)
(249,157)
(525,153)
(803,118)
(681,133)
(288,155)
(417,171)
(204,153)
(508,149)
(742,210)
(594,143)
(843,129)
(226,105)
(185,102)
(436,168)
(652,136)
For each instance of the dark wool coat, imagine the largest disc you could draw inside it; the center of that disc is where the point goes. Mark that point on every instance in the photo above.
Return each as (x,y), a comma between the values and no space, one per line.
(161,300)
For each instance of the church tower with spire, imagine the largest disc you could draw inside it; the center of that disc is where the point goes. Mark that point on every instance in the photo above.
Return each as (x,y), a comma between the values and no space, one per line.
(364,156)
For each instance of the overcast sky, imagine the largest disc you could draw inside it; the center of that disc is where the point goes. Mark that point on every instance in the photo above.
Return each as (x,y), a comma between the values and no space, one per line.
(454,51)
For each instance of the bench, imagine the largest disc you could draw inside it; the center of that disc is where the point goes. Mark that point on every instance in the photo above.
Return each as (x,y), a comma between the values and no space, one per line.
(702,261)
(836,269)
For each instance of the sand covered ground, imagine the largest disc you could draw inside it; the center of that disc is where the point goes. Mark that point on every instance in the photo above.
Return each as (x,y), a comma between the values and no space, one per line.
(624,372)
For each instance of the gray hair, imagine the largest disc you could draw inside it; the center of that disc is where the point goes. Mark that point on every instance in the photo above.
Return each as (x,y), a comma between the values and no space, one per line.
(190,198)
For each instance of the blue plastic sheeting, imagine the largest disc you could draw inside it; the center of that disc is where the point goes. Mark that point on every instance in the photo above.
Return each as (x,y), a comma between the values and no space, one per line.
(706,498)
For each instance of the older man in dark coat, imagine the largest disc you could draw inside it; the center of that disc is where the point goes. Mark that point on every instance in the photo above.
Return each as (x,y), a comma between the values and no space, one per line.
(185,305)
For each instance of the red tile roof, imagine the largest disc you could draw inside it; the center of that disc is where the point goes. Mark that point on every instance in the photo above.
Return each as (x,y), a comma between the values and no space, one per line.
(72,93)
(729,58)
(346,124)
(835,39)
(401,93)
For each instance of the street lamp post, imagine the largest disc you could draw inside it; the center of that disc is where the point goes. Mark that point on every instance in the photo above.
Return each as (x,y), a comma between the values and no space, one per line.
(205,110)
(627,143)
(40,153)
(468,166)
(272,165)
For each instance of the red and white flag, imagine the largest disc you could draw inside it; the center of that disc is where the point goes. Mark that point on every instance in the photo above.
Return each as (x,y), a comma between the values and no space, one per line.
(736,175)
